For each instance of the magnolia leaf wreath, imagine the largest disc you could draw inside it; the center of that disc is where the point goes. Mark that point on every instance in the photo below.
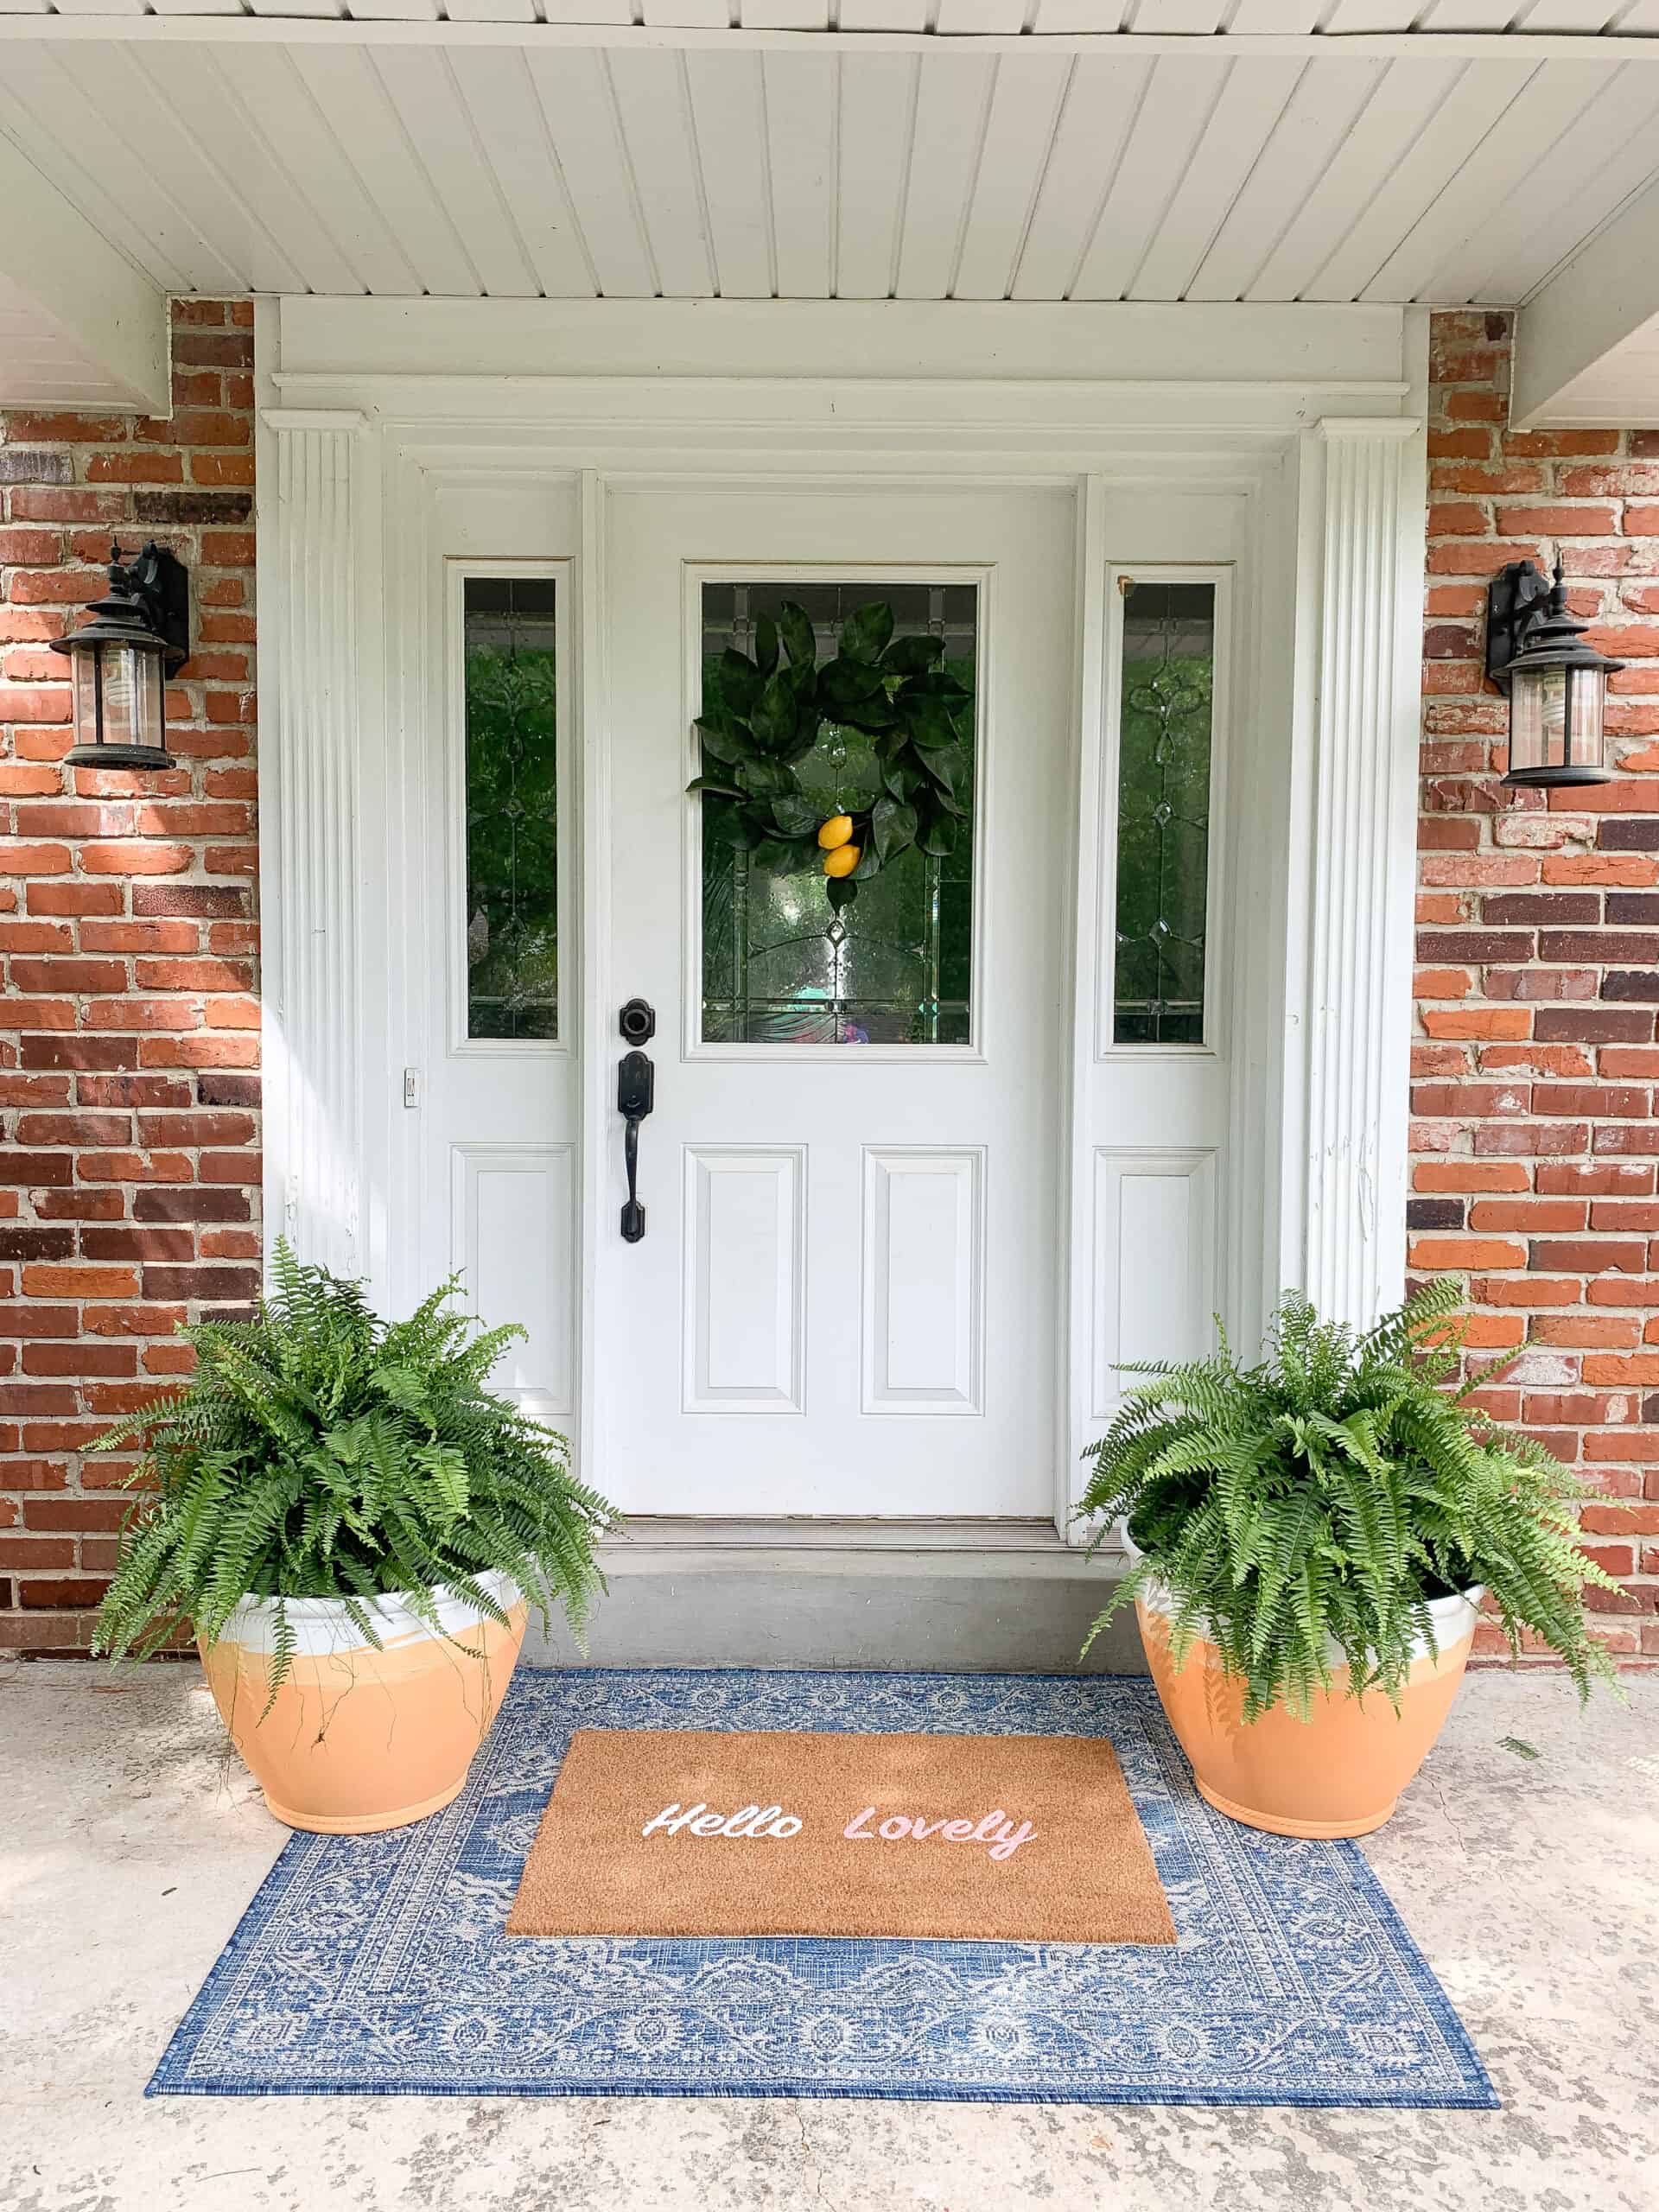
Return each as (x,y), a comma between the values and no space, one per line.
(764,714)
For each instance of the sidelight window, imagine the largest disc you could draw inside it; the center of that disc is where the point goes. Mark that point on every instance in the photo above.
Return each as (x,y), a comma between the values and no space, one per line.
(1166,698)
(512,807)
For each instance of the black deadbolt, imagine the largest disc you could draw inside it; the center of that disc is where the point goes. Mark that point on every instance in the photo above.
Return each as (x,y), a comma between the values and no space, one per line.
(638,1022)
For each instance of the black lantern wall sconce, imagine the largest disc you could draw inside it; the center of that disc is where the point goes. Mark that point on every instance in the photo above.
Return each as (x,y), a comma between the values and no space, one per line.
(138,633)
(1557,684)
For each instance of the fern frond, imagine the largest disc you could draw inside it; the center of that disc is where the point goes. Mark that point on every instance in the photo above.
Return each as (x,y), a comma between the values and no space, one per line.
(1325,1495)
(318,1451)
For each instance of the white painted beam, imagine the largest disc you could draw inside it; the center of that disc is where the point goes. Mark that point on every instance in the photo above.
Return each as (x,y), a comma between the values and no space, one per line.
(1606,292)
(87,297)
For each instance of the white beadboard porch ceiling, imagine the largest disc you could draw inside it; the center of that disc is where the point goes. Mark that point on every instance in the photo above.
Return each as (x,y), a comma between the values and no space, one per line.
(1247,161)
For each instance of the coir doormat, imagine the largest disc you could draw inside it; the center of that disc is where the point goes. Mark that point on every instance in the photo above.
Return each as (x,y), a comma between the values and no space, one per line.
(381,1964)
(721,1832)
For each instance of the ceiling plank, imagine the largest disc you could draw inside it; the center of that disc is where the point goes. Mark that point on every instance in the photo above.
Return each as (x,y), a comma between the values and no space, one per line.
(1102,102)
(444,140)
(355,105)
(1172,120)
(1291,173)
(45,118)
(800,90)
(1025,110)
(1516,150)
(1054,18)
(953,99)
(654,107)
(1608,153)
(118,96)
(582,127)
(207,108)
(1252,104)
(269,87)
(1373,139)
(494,85)
(876,116)
(728,125)
(1425,161)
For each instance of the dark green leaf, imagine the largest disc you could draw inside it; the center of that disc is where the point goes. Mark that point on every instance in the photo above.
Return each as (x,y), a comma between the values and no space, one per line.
(939,837)
(927,719)
(775,715)
(765,779)
(892,826)
(766,644)
(795,628)
(846,683)
(948,765)
(873,715)
(740,681)
(842,891)
(911,656)
(866,630)
(796,815)
(722,784)
(731,826)
(724,737)
(938,684)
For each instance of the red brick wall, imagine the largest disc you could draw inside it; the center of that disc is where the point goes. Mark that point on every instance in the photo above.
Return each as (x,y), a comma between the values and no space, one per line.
(1534,1145)
(130,1049)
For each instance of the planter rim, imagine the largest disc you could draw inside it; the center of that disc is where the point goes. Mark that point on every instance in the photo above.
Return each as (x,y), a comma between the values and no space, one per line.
(499,1585)
(321,1626)
(1456,1612)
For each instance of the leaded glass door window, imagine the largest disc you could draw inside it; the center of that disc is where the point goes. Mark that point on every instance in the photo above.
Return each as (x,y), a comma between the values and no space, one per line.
(1167,683)
(785,960)
(510,664)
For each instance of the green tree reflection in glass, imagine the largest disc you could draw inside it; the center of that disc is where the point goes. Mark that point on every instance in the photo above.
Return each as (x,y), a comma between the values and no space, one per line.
(780,965)
(1163,811)
(512,872)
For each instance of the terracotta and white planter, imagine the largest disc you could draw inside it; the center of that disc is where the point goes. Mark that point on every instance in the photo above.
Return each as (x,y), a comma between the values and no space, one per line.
(359,1739)
(1339,1772)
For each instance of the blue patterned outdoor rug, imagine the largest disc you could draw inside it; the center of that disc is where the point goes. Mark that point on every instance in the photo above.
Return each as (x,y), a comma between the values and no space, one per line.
(379,1965)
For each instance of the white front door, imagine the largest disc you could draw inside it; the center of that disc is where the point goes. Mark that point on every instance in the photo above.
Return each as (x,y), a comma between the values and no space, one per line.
(846,1301)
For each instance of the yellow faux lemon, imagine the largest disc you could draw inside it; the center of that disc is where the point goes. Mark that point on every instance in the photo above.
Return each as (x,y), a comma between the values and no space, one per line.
(835,833)
(842,861)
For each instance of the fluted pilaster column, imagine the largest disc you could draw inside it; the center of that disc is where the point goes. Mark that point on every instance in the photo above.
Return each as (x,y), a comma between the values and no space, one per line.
(308,683)
(1362,867)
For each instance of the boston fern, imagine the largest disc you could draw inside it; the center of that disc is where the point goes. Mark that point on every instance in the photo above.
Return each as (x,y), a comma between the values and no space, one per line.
(318,1451)
(1334,1490)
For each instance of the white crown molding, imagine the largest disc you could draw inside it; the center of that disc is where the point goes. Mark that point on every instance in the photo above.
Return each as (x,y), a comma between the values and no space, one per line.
(1611,51)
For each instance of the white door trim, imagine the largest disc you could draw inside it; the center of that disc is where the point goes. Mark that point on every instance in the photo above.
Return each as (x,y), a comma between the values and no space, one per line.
(1328,645)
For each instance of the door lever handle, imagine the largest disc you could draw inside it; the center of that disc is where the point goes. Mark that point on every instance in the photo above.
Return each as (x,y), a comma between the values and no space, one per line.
(636,1084)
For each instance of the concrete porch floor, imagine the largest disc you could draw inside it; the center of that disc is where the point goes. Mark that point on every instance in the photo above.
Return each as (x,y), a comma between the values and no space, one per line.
(128,1848)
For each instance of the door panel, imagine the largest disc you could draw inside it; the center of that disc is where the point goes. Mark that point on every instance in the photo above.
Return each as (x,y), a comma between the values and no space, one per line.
(846,1300)
(1155,1094)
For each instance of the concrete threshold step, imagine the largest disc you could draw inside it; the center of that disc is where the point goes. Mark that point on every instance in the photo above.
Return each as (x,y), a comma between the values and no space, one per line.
(962,1596)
